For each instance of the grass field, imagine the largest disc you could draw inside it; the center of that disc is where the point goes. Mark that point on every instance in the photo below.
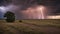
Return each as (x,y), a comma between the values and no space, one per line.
(46,26)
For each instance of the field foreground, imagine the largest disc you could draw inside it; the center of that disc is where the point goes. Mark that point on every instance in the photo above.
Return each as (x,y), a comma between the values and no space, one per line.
(47,26)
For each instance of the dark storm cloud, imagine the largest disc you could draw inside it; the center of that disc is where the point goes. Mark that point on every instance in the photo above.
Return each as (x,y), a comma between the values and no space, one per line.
(53,5)
(1,2)
(28,3)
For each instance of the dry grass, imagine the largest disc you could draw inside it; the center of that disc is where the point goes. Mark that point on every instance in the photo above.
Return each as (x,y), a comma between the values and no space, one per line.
(30,27)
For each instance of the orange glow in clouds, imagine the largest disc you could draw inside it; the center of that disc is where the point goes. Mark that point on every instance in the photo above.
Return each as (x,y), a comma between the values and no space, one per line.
(37,12)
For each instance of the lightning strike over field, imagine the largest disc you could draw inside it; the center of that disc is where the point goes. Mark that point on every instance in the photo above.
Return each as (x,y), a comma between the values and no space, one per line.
(37,12)
(41,12)
(31,9)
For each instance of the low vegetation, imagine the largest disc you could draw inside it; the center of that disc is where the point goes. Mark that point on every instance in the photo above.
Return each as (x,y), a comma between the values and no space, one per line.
(47,26)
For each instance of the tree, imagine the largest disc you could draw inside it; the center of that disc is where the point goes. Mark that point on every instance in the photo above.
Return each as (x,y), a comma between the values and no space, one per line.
(10,17)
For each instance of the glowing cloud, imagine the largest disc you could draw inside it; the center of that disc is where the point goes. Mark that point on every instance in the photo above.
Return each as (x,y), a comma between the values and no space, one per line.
(3,9)
(37,12)
(8,8)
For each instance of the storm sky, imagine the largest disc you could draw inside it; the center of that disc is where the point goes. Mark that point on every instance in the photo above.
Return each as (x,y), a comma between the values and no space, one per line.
(18,6)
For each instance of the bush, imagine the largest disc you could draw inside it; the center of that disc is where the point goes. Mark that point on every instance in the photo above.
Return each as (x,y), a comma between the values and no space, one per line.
(20,21)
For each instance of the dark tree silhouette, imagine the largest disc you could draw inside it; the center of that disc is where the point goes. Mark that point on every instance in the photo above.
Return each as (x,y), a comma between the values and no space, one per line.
(10,17)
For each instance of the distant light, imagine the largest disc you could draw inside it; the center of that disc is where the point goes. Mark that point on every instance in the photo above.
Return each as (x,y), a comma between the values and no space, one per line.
(53,17)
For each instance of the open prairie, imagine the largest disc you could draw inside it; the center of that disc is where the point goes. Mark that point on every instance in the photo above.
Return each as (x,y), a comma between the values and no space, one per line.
(46,26)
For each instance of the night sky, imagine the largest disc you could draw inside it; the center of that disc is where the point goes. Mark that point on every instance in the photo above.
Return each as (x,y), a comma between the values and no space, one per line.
(17,6)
